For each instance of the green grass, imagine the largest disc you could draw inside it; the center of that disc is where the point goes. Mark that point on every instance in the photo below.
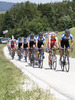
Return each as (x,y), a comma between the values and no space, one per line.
(12,81)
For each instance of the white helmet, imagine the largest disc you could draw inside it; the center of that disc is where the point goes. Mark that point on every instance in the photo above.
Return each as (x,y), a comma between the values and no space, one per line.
(53,34)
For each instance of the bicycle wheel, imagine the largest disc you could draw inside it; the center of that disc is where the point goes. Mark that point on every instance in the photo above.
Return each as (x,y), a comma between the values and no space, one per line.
(67,67)
(19,56)
(50,65)
(33,63)
(41,65)
(26,57)
(55,63)
(13,53)
(62,65)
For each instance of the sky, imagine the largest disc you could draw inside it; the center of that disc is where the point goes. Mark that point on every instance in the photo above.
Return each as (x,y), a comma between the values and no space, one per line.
(34,1)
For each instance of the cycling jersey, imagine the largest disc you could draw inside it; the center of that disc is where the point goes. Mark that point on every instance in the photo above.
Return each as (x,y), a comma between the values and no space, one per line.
(63,37)
(52,41)
(31,41)
(65,40)
(12,43)
(25,45)
(19,44)
(40,41)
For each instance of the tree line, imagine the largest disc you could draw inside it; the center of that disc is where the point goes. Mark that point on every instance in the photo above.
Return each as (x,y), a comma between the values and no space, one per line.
(24,18)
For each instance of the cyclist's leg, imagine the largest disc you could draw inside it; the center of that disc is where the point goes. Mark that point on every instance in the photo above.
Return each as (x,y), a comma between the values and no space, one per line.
(23,51)
(54,46)
(62,51)
(68,50)
(49,57)
(37,54)
(29,53)
(34,48)
(42,46)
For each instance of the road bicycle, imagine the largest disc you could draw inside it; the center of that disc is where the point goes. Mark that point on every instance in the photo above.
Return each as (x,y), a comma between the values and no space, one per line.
(53,60)
(65,63)
(40,58)
(20,54)
(32,57)
(26,53)
(13,53)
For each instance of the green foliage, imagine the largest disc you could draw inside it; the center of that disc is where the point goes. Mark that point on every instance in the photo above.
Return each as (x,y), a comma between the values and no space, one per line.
(65,22)
(24,18)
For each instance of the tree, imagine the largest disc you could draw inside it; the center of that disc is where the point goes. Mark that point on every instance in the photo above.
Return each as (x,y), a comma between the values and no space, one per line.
(65,22)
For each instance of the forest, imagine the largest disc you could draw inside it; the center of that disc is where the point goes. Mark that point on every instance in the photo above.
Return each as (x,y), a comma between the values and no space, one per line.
(27,17)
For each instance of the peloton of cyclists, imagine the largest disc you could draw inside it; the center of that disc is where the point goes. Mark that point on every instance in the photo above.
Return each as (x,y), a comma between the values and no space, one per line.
(39,41)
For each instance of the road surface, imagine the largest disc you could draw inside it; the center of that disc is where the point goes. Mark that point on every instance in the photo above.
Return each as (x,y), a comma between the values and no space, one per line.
(63,82)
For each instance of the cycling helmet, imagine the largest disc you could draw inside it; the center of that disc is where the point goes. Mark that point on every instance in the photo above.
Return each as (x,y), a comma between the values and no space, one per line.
(53,34)
(40,33)
(20,38)
(32,35)
(25,38)
(12,40)
(67,31)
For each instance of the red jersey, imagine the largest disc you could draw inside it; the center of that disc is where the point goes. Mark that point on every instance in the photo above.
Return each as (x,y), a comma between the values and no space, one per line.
(52,41)
(12,44)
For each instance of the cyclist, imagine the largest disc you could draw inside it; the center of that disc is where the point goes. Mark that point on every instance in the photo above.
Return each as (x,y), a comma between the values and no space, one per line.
(24,45)
(31,43)
(12,45)
(9,45)
(19,45)
(64,41)
(40,43)
(52,43)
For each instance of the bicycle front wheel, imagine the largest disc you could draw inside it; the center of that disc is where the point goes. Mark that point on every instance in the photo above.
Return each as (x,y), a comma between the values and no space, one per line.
(13,54)
(54,65)
(62,65)
(67,67)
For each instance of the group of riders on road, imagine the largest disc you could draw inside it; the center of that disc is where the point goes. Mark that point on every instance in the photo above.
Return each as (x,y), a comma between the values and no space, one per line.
(38,42)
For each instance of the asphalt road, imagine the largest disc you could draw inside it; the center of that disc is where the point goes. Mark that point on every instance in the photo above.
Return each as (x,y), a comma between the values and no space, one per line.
(63,82)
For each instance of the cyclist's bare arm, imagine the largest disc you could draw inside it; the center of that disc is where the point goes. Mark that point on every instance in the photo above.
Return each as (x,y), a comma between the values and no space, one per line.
(28,45)
(45,43)
(57,44)
(72,43)
(49,41)
(60,42)
(36,43)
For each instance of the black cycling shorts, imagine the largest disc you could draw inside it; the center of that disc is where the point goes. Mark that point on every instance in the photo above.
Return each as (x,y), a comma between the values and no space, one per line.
(32,43)
(40,44)
(65,43)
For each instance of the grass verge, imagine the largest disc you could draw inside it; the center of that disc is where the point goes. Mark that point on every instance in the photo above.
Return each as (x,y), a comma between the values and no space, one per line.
(16,86)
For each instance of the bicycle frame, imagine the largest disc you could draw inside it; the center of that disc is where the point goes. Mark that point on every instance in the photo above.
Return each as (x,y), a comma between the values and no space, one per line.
(53,59)
(65,62)
(40,60)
